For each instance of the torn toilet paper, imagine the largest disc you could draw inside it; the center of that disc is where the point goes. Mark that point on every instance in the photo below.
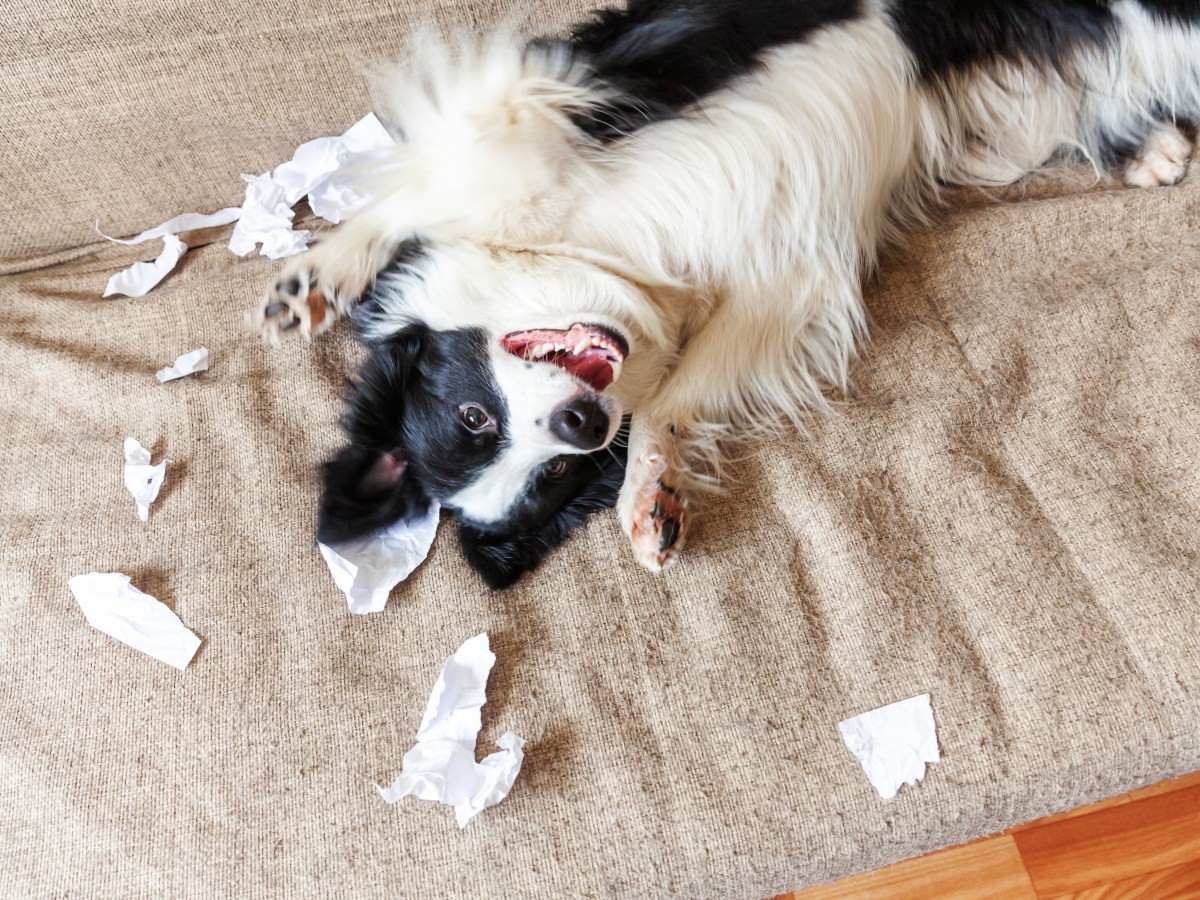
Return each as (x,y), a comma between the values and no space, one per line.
(323,169)
(140,278)
(893,743)
(142,479)
(185,364)
(112,605)
(441,766)
(178,225)
(267,220)
(367,569)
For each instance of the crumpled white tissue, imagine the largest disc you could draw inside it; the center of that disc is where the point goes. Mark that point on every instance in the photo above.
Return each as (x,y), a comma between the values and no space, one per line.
(441,766)
(367,569)
(267,220)
(320,169)
(185,364)
(141,277)
(142,479)
(112,605)
(313,171)
(893,743)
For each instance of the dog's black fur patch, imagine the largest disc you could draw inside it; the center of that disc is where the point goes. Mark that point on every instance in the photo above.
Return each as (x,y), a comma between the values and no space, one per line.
(661,56)
(1184,12)
(944,35)
(589,484)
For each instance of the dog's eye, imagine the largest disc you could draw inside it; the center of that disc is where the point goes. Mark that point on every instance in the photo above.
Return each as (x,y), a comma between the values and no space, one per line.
(473,417)
(557,468)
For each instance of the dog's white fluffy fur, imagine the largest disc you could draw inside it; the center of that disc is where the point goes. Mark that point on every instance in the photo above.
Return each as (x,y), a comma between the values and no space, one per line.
(729,244)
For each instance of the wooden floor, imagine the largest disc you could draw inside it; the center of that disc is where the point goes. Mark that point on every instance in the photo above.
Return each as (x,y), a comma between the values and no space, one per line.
(1139,846)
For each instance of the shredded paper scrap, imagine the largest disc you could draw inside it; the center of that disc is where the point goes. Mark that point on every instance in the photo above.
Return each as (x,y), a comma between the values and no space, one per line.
(142,479)
(185,364)
(441,765)
(322,170)
(893,743)
(367,569)
(111,604)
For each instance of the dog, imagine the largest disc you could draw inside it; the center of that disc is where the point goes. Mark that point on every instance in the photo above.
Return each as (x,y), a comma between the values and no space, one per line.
(593,262)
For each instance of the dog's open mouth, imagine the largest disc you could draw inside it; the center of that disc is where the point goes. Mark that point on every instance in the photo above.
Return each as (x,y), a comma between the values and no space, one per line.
(592,353)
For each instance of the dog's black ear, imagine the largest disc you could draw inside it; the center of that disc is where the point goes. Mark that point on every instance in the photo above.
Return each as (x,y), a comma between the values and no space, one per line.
(366,489)
(502,558)
(367,484)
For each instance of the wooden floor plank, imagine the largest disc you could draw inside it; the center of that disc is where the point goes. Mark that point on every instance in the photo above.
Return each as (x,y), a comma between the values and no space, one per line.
(1075,813)
(1177,883)
(1165,787)
(1112,844)
(981,870)
(1162,787)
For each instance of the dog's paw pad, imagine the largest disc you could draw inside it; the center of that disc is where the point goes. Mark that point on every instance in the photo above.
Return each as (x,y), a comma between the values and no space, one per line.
(1163,159)
(294,301)
(658,527)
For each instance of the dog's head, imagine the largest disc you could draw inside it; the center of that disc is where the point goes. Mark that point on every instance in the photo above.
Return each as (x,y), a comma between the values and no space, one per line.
(513,433)
(496,383)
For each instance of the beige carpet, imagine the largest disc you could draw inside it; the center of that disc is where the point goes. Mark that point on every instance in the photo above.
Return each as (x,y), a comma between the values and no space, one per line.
(1005,517)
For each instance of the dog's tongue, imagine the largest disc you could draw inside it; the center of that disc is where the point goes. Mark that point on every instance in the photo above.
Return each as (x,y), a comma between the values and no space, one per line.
(589,353)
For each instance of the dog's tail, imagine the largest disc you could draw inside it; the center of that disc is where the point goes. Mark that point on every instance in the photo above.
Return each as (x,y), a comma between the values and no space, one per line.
(487,132)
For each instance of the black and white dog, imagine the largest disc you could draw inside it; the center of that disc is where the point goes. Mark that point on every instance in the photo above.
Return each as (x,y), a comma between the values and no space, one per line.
(667,216)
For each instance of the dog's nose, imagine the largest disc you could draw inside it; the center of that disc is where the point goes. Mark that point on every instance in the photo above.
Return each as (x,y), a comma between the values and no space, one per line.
(581,423)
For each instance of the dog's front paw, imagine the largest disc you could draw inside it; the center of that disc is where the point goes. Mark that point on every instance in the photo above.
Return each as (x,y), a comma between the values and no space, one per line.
(653,512)
(305,298)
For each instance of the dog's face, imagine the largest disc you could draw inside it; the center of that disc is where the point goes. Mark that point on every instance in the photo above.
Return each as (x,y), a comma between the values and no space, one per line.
(513,432)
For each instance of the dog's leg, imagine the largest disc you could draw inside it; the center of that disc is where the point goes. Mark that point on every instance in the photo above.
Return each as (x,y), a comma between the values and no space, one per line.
(653,504)
(1162,159)
(756,361)
(322,284)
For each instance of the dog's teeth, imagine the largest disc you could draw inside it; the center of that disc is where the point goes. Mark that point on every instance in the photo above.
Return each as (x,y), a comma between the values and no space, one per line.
(583,344)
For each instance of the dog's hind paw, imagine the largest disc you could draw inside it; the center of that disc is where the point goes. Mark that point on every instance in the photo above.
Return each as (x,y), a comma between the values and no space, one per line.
(654,514)
(1163,159)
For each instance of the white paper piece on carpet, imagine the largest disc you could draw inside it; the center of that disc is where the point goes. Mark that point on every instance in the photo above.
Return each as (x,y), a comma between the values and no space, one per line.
(185,364)
(441,766)
(267,220)
(893,743)
(140,278)
(321,169)
(112,605)
(367,569)
(142,479)
(179,224)
(335,197)
(313,171)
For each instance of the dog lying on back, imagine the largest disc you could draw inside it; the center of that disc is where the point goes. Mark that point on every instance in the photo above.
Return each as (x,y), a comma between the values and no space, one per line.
(666,218)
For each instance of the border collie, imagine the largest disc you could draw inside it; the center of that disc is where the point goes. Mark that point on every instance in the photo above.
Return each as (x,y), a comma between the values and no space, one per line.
(666,217)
